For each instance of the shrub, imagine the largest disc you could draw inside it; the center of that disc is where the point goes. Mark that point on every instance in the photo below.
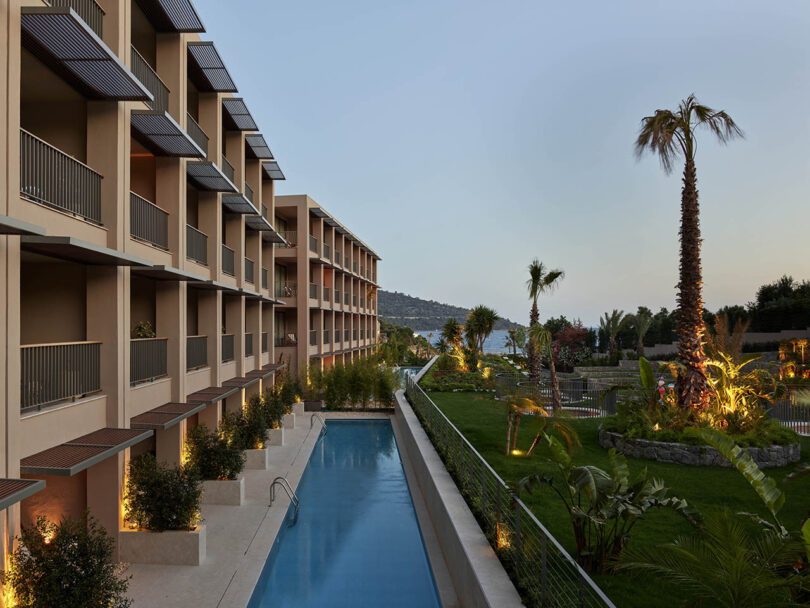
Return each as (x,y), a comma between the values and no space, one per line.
(210,457)
(445,363)
(337,388)
(274,407)
(245,430)
(159,497)
(69,564)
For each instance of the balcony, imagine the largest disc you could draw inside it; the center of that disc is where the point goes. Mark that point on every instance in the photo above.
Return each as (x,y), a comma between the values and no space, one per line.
(354,267)
(345,335)
(346,261)
(196,133)
(149,78)
(227,169)
(326,293)
(313,245)
(228,262)
(337,257)
(346,298)
(288,289)
(249,193)
(287,339)
(51,177)
(327,252)
(196,352)
(147,359)
(326,337)
(264,342)
(227,348)
(313,291)
(148,222)
(249,269)
(264,278)
(337,296)
(88,10)
(196,245)
(291,238)
(53,372)
(313,337)
(354,335)
(354,301)
(248,345)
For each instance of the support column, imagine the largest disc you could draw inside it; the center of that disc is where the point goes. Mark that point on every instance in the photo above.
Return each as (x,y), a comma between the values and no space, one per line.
(169,444)
(210,325)
(105,482)
(170,304)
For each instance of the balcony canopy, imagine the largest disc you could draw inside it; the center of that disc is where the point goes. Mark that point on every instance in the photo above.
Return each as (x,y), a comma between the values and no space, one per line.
(207,176)
(69,248)
(161,134)
(256,147)
(162,272)
(64,42)
(165,416)
(83,452)
(272,170)
(177,16)
(237,117)
(212,394)
(11,225)
(207,70)
(260,224)
(238,203)
(13,491)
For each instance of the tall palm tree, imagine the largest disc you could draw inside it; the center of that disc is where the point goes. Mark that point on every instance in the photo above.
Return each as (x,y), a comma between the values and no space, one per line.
(641,324)
(611,324)
(669,134)
(452,332)
(541,280)
(541,340)
(480,324)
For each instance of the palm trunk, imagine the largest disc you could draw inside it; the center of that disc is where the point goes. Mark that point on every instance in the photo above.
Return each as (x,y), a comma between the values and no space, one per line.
(556,400)
(515,432)
(508,431)
(533,356)
(640,347)
(692,387)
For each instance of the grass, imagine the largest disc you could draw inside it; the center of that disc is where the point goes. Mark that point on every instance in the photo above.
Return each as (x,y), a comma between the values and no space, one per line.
(483,421)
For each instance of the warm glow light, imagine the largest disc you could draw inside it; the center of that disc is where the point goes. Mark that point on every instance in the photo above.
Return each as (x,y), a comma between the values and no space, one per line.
(48,537)
(504,539)
(486,372)
(517,452)
(657,427)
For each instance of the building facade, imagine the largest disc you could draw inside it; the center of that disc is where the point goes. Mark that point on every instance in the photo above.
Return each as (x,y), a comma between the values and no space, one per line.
(138,283)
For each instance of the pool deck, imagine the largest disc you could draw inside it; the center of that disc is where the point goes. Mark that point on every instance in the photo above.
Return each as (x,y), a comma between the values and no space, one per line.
(240,538)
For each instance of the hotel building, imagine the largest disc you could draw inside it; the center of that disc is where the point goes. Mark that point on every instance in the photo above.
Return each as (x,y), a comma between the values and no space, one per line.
(145,276)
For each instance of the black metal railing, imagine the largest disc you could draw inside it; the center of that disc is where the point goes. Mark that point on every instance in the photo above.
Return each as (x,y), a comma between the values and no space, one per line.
(793,414)
(88,10)
(345,335)
(578,396)
(336,257)
(313,244)
(326,337)
(326,295)
(346,298)
(147,359)
(544,568)
(227,347)
(196,245)
(354,267)
(286,339)
(264,278)
(313,337)
(148,222)
(248,345)
(53,372)
(51,177)
(327,252)
(196,133)
(249,269)
(354,301)
(149,78)
(248,193)
(354,335)
(313,291)
(196,352)
(264,342)
(337,296)
(287,289)
(264,212)
(291,238)
(227,169)
(228,261)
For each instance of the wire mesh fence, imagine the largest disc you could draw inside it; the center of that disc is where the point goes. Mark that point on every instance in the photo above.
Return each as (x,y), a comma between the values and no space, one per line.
(582,397)
(543,572)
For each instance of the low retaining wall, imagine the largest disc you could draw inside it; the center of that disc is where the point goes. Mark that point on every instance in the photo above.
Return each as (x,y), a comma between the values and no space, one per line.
(696,455)
(478,576)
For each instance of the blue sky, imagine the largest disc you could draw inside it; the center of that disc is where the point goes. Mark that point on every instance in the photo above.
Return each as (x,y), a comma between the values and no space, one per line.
(462,139)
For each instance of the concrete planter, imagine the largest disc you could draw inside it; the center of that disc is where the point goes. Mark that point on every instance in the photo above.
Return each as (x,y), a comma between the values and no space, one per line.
(173,547)
(275,437)
(257,459)
(313,406)
(288,421)
(226,492)
(298,408)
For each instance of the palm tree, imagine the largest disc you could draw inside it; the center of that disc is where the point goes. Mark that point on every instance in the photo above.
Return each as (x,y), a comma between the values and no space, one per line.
(541,280)
(641,323)
(540,340)
(442,345)
(669,134)
(452,332)
(511,340)
(480,323)
(612,324)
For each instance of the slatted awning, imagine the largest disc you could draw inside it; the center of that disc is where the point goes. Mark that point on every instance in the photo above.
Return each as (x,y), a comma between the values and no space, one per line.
(261,224)
(62,40)
(212,394)
(238,203)
(236,116)
(256,147)
(83,452)
(177,16)
(161,134)
(162,272)
(207,70)
(11,225)
(69,248)
(272,170)
(165,416)
(13,491)
(207,176)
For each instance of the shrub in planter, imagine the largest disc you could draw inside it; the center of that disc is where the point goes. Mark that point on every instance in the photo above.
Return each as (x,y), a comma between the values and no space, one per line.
(158,497)
(245,430)
(210,457)
(274,407)
(69,564)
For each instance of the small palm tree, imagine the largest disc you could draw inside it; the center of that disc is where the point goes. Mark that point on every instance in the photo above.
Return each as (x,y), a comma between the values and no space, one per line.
(641,323)
(452,332)
(480,324)
(541,280)
(668,135)
(540,340)
(442,345)
(611,324)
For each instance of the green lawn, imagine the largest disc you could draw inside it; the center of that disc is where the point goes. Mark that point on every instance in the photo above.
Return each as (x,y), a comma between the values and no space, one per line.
(483,422)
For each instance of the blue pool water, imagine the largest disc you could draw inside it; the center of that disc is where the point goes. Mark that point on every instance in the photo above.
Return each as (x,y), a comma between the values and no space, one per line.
(357,541)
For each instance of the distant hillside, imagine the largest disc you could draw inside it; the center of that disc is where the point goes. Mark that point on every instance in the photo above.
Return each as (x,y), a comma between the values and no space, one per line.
(422,315)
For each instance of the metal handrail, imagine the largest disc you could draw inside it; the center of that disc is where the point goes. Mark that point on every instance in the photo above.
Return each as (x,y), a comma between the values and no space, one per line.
(323,423)
(194,129)
(285,485)
(89,10)
(149,78)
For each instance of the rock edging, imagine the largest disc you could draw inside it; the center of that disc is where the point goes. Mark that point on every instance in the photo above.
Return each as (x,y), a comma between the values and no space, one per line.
(696,455)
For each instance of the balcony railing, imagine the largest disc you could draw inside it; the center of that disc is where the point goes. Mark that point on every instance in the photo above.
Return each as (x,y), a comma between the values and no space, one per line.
(196,352)
(51,177)
(327,252)
(286,339)
(313,244)
(354,301)
(345,335)
(264,212)
(196,245)
(313,337)
(313,291)
(248,345)
(337,296)
(227,347)
(88,10)
(354,267)
(291,236)
(147,359)
(144,72)
(249,269)
(287,289)
(53,372)
(264,342)
(346,261)
(346,298)
(249,193)
(264,278)
(326,293)
(196,133)
(228,262)
(337,256)
(227,169)
(326,336)
(148,222)
(354,335)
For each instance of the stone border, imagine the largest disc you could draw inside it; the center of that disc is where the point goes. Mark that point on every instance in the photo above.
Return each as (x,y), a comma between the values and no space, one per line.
(696,455)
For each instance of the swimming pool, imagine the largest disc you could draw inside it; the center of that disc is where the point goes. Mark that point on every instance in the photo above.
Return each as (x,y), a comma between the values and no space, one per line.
(357,541)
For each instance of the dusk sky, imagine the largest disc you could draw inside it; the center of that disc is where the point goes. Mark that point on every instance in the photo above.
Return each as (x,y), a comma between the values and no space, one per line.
(460,139)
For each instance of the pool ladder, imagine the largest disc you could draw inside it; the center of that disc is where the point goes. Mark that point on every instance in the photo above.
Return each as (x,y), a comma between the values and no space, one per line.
(323,424)
(285,485)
